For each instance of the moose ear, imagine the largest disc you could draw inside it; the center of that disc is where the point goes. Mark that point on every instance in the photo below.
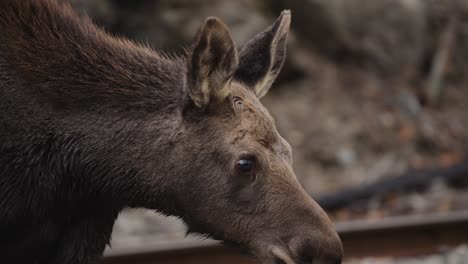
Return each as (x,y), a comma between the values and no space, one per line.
(212,63)
(263,56)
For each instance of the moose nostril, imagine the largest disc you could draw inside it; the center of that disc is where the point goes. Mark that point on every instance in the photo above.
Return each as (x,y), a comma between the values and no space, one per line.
(309,252)
(306,252)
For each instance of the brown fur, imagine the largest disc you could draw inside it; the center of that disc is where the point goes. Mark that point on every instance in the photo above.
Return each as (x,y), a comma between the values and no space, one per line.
(91,124)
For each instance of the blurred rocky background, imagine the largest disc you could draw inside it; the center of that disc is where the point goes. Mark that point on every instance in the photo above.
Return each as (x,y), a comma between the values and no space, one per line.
(370,89)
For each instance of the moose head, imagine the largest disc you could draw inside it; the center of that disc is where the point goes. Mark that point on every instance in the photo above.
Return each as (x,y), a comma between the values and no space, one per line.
(239,186)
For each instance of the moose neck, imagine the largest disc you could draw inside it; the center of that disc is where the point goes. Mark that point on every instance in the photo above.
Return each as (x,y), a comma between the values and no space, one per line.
(99,98)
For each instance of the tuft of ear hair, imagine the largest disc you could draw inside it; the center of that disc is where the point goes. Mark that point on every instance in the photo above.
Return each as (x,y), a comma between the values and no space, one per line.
(263,56)
(212,63)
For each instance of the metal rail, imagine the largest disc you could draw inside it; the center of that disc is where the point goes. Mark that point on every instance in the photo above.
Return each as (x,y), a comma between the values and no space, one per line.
(413,179)
(396,236)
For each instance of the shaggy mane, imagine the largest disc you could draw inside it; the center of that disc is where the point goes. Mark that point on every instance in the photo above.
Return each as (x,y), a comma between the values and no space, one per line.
(72,61)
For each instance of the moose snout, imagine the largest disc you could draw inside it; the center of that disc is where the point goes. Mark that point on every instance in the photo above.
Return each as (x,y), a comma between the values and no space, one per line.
(316,249)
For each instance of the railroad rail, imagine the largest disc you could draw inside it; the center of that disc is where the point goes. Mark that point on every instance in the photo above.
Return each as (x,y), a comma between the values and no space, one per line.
(395,236)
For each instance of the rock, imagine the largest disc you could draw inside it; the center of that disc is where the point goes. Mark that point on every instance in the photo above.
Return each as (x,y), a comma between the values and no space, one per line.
(386,36)
(346,157)
(439,13)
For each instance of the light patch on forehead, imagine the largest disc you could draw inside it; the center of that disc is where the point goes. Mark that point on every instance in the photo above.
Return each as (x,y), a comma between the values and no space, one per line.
(256,121)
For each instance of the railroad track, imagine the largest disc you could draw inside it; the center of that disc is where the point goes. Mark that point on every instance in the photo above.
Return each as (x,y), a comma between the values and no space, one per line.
(396,236)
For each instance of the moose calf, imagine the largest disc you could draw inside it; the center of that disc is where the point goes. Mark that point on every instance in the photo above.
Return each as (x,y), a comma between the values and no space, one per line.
(91,124)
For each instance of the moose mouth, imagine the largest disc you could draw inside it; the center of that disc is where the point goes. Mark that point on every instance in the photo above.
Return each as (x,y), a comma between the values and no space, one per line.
(275,255)
(279,256)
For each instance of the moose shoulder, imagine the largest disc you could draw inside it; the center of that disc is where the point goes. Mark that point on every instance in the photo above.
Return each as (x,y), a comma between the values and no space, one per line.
(91,124)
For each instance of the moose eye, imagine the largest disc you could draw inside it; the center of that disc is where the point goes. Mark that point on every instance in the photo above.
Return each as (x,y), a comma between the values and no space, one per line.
(246,164)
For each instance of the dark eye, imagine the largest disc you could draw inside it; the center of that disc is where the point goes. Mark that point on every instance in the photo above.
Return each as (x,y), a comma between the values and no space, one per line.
(246,165)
